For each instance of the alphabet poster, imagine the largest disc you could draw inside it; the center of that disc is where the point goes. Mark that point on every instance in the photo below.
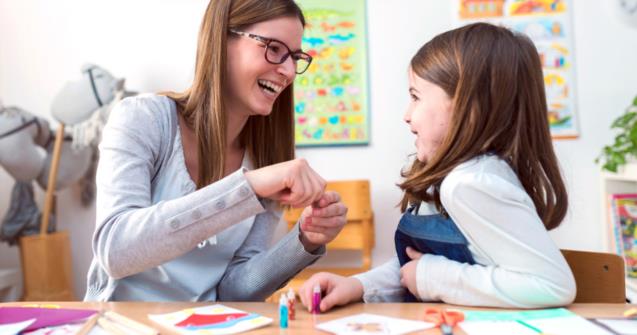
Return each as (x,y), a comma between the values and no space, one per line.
(331,97)
(549,24)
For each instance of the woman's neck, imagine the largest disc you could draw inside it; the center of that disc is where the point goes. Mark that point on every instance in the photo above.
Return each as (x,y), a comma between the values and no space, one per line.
(234,152)
(235,123)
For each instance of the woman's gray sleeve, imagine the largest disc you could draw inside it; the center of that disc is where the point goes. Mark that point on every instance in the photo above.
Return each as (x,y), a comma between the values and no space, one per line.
(256,271)
(132,234)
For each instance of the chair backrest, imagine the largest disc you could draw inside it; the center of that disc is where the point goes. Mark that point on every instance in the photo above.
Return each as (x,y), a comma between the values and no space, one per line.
(358,233)
(355,195)
(599,276)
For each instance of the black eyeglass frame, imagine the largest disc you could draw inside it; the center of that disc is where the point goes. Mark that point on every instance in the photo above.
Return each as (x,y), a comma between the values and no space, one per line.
(267,41)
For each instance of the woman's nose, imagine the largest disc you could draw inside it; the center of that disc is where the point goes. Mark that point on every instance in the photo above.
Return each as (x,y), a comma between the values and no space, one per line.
(288,69)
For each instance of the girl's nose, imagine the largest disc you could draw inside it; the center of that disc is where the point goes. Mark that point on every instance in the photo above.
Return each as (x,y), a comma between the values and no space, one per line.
(407,117)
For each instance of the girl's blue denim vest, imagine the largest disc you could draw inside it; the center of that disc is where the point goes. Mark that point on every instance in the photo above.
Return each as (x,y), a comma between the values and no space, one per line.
(430,234)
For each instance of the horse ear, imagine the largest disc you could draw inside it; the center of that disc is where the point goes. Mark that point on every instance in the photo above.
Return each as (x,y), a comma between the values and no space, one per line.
(88,66)
(119,86)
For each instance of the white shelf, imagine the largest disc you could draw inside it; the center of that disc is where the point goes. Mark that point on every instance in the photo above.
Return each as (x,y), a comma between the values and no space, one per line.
(631,289)
(626,172)
(624,181)
(619,177)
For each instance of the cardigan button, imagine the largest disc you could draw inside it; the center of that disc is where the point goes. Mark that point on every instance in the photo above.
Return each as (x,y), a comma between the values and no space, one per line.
(244,191)
(174,224)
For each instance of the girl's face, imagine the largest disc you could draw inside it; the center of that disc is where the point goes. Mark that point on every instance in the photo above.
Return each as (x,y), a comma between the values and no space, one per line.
(254,84)
(428,115)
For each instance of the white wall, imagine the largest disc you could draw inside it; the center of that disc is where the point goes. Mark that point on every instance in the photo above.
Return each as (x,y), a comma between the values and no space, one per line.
(607,83)
(152,44)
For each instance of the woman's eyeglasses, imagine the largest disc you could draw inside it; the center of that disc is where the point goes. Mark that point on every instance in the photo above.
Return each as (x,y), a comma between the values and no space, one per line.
(277,52)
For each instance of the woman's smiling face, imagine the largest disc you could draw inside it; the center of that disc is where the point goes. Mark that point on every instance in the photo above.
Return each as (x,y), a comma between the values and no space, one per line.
(254,83)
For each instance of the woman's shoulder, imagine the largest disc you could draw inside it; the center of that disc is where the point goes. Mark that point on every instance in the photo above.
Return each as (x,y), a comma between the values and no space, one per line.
(144,118)
(143,108)
(148,115)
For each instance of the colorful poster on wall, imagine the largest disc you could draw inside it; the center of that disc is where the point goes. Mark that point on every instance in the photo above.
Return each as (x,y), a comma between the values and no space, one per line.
(549,24)
(330,98)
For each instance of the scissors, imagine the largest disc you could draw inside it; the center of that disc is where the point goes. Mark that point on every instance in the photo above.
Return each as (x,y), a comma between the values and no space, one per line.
(444,318)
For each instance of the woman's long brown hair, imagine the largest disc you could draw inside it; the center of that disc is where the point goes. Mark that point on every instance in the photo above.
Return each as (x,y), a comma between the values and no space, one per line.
(495,80)
(267,139)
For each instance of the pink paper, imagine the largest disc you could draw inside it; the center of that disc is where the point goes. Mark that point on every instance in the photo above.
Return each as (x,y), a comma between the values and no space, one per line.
(44,317)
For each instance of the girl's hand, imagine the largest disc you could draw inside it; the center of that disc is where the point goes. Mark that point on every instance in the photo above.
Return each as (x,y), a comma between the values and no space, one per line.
(292,183)
(408,271)
(336,290)
(321,222)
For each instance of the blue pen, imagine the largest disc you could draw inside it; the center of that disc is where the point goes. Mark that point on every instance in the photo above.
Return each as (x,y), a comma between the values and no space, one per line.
(283,311)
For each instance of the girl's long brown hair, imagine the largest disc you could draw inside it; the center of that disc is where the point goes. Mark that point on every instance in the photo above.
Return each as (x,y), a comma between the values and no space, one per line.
(267,139)
(495,80)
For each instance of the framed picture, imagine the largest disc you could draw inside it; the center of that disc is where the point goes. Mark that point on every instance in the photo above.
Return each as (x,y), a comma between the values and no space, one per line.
(549,24)
(331,97)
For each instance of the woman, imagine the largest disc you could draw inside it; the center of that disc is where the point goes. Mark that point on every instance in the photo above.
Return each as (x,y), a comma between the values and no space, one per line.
(189,184)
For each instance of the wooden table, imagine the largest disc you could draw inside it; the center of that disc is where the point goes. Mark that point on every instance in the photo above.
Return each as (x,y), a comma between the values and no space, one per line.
(304,323)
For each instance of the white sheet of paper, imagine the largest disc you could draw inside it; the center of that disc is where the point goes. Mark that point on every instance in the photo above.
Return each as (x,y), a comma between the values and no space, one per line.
(14,328)
(368,324)
(229,326)
(97,330)
(70,329)
(495,328)
(622,326)
(554,326)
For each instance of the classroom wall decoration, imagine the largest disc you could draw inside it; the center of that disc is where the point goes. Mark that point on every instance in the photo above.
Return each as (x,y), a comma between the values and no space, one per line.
(330,98)
(549,24)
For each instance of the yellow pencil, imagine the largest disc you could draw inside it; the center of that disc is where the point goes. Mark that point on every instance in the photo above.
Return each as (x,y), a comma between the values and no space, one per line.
(132,324)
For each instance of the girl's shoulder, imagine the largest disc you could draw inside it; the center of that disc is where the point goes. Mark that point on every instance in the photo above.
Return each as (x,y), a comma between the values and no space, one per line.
(489,173)
(483,164)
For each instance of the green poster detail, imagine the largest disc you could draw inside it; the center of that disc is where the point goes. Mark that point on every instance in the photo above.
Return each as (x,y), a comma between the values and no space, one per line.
(330,98)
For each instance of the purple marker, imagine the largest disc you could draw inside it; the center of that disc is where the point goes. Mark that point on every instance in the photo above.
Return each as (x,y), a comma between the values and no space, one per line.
(316,299)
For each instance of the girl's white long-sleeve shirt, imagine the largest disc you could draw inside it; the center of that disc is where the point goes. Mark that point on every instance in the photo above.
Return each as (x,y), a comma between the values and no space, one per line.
(517,263)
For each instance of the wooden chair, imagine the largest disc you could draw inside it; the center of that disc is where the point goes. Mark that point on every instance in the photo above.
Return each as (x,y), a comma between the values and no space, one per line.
(599,277)
(357,235)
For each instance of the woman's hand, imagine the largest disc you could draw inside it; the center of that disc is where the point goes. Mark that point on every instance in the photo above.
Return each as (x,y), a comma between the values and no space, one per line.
(337,290)
(321,222)
(408,271)
(292,183)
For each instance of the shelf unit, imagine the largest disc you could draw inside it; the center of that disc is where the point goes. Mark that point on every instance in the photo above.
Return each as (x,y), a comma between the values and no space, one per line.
(624,181)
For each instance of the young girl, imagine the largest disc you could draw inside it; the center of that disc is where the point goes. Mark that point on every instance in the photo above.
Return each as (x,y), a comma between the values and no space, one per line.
(188,183)
(484,189)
